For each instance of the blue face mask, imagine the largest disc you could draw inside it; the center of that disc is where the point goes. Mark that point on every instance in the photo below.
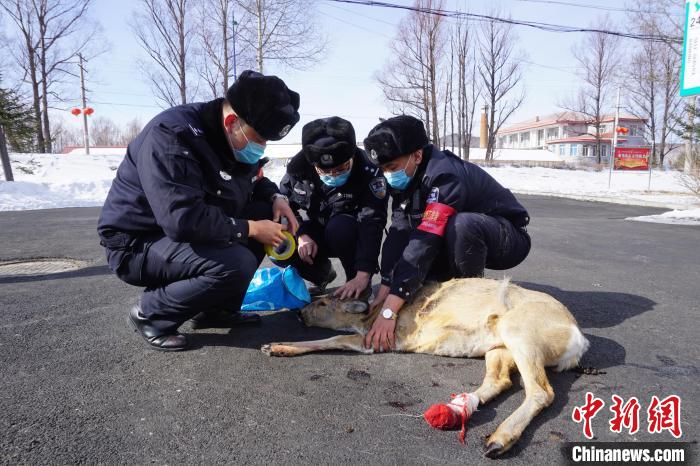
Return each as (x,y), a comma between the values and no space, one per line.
(398,179)
(335,181)
(251,153)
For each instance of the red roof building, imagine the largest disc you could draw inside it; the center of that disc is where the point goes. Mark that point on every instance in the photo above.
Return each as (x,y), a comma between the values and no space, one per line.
(570,134)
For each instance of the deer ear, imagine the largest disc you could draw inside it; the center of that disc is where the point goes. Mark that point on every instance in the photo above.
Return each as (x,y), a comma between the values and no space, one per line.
(354,307)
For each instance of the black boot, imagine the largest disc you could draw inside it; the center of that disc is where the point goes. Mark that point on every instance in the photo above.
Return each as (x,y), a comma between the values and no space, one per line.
(320,287)
(224,319)
(156,338)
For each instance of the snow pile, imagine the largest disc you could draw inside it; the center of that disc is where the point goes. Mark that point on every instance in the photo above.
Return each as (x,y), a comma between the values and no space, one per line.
(46,181)
(625,188)
(676,217)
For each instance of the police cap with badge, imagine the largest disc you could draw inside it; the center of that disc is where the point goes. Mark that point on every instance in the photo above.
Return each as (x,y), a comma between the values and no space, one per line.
(265,103)
(328,142)
(395,137)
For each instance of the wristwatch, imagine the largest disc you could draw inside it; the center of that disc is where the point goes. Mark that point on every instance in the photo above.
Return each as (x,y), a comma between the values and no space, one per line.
(389,314)
(279,196)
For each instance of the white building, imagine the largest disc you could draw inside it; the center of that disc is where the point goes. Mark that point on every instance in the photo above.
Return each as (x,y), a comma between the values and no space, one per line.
(570,134)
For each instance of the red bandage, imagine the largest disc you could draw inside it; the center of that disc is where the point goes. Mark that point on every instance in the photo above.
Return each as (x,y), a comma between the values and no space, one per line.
(453,415)
(435,218)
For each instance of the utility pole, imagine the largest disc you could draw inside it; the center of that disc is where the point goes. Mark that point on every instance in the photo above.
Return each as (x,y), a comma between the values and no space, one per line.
(614,142)
(86,135)
(7,168)
(233,17)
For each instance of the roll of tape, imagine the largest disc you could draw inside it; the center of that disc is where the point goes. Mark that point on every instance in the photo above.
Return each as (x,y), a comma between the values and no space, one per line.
(285,250)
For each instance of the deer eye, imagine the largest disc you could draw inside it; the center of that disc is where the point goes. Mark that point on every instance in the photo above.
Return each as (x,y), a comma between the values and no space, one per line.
(322,303)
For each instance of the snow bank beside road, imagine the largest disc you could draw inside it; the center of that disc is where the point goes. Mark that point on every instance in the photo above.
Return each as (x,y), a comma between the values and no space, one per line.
(46,181)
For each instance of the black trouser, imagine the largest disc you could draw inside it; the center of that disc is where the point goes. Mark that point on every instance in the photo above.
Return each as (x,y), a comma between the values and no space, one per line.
(184,279)
(476,241)
(337,239)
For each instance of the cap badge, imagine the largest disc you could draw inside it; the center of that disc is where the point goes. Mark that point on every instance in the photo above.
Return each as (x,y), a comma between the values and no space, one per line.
(326,159)
(285,130)
(373,154)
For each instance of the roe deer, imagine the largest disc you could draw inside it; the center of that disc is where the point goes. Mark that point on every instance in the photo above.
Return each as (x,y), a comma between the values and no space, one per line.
(512,327)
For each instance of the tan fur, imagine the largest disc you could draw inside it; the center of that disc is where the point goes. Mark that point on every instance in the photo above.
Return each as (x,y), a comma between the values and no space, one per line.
(513,328)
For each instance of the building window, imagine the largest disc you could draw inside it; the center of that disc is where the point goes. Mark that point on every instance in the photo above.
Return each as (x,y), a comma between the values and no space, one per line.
(574,150)
(561,149)
(513,138)
(552,133)
(525,137)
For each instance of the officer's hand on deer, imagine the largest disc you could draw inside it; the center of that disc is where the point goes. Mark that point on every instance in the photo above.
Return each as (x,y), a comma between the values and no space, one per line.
(307,249)
(353,288)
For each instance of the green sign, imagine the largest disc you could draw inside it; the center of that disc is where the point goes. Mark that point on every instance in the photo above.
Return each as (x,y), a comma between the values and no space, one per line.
(690,68)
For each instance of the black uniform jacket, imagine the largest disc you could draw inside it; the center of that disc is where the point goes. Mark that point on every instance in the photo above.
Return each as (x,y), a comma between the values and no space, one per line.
(364,196)
(443,186)
(179,178)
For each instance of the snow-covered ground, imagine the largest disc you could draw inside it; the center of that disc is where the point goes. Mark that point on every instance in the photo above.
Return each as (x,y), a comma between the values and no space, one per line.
(676,217)
(44,181)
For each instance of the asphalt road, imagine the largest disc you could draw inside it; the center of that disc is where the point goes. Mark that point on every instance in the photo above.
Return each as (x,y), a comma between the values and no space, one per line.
(78,386)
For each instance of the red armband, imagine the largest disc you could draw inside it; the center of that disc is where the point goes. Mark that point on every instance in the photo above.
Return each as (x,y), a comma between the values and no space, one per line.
(435,218)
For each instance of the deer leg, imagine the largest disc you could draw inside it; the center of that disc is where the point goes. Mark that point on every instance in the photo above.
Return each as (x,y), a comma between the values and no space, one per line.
(341,342)
(499,364)
(538,395)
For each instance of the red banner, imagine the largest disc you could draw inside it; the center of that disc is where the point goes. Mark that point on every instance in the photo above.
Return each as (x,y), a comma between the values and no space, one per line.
(632,158)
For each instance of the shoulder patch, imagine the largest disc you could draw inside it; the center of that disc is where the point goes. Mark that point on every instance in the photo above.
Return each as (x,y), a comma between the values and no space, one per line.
(433,196)
(378,187)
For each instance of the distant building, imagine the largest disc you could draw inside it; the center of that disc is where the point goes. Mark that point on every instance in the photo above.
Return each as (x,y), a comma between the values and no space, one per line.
(570,134)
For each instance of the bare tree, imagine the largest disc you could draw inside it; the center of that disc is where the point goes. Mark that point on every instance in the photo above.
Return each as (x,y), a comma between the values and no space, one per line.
(499,67)
(164,31)
(654,71)
(52,34)
(468,86)
(282,31)
(131,130)
(598,54)
(104,132)
(410,80)
(218,40)
(66,136)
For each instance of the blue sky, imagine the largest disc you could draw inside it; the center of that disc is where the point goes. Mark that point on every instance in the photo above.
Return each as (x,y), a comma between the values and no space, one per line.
(343,84)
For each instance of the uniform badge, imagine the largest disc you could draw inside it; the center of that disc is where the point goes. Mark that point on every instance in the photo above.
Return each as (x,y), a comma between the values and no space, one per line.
(195,131)
(284,131)
(433,196)
(378,187)
(225,176)
(327,160)
(373,154)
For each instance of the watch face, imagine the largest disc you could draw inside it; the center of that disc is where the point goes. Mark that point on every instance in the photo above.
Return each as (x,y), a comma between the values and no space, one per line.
(387,313)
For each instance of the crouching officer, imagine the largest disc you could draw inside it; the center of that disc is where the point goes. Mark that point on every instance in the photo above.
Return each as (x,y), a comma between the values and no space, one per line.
(189,211)
(450,219)
(345,200)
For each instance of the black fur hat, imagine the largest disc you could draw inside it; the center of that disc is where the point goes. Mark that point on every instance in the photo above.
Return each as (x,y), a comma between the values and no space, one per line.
(328,142)
(395,137)
(265,103)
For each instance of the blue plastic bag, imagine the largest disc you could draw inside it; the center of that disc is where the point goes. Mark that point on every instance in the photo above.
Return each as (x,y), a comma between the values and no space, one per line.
(274,288)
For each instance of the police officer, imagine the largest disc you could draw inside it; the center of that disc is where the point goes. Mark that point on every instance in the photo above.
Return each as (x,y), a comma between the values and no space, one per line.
(449,219)
(189,210)
(344,198)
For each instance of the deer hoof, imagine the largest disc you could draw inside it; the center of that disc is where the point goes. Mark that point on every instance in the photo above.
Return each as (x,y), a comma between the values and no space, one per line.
(266,349)
(493,450)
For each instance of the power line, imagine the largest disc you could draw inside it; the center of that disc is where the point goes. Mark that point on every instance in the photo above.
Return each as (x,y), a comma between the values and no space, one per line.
(594,7)
(532,24)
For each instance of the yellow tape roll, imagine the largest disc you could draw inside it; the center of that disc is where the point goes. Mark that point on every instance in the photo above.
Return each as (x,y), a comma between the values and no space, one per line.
(285,250)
